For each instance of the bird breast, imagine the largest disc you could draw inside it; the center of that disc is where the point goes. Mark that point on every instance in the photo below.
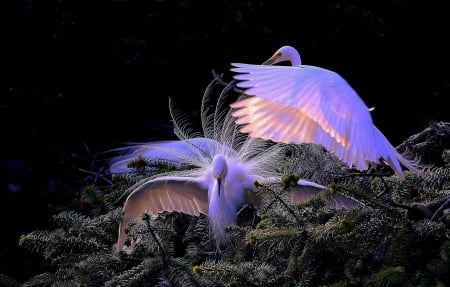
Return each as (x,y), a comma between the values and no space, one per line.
(237,183)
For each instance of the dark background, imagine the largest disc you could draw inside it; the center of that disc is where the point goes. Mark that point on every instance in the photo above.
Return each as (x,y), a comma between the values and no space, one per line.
(80,77)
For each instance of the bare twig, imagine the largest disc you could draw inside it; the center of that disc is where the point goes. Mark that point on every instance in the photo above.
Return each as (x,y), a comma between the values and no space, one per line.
(146,217)
(442,207)
(97,175)
(282,202)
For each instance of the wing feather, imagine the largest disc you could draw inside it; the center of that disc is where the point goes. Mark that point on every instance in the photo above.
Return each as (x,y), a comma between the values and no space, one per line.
(308,104)
(307,190)
(163,194)
(321,94)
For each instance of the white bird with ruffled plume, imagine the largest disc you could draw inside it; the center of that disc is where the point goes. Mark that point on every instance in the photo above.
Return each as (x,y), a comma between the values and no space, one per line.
(307,104)
(224,165)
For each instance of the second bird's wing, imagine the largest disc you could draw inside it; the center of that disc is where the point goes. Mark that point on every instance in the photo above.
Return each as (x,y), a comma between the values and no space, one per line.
(310,104)
(322,95)
(163,194)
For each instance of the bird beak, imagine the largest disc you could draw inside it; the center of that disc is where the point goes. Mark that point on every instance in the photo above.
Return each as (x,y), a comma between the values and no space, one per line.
(268,62)
(219,181)
(272,60)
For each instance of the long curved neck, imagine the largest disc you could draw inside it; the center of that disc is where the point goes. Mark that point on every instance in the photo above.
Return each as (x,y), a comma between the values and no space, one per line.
(221,211)
(287,53)
(216,193)
(296,61)
(294,58)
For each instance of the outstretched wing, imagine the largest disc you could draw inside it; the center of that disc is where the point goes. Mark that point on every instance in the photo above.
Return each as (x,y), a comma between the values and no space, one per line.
(307,190)
(342,201)
(304,191)
(163,194)
(310,104)
(322,95)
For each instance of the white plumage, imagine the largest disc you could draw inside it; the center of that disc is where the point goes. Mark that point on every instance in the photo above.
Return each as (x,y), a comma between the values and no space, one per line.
(224,167)
(308,104)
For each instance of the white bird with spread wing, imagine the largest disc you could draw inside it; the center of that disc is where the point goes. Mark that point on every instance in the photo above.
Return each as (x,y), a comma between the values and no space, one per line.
(224,165)
(308,104)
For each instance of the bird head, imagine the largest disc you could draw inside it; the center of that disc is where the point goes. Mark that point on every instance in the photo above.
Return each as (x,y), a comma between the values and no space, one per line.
(285,53)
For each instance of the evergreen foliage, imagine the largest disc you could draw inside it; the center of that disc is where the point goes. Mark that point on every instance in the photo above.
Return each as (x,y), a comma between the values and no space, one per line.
(397,235)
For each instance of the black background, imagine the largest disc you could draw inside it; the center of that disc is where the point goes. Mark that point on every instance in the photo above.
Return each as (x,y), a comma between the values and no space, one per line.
(92,74)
